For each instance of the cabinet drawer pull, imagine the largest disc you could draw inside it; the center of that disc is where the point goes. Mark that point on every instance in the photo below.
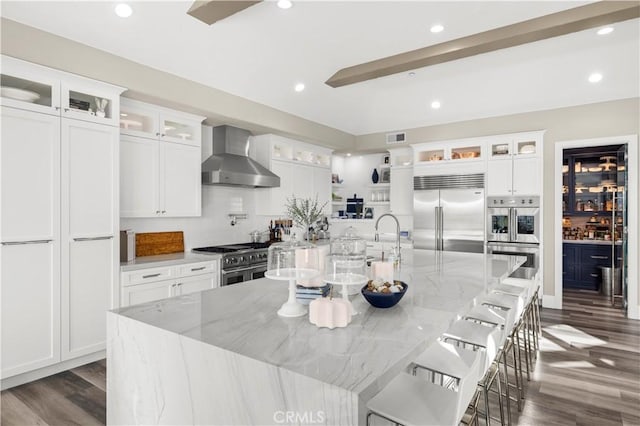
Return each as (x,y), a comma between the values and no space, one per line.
(198,269)
(151,275)
(18,243)
(106,237)
(594,275)
(599,257)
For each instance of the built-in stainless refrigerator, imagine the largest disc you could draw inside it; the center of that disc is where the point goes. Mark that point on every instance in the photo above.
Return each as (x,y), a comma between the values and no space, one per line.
(448,212)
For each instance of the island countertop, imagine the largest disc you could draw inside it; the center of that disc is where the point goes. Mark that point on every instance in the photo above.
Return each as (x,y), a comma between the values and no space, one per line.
(359,359)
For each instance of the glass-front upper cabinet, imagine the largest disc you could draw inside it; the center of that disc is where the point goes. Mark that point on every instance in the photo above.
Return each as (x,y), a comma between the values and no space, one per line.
(179,129)
(156,122)
(590,180)
(26,89)
(89,103)
(138,120)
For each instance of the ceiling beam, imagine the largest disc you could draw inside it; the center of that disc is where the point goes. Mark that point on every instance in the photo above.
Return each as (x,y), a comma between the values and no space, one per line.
(211,11)
(568,21)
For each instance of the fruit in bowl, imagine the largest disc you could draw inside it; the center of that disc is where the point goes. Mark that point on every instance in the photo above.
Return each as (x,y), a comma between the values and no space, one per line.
(382,294)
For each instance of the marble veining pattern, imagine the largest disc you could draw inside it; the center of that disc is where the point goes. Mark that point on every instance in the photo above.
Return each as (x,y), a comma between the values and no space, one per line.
(221,347)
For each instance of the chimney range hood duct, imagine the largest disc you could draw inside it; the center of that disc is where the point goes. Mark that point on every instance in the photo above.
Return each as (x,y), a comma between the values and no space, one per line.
(230,163)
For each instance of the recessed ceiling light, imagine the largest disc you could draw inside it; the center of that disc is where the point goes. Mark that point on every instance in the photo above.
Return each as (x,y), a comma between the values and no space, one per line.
(123,10)
(412,74)
(284,4)
(437,28)
(348,154)
(299,87)
(605,30)
(435,104)
(595,77)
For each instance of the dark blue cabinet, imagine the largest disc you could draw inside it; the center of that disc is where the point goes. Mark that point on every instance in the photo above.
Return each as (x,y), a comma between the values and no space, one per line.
(581,264)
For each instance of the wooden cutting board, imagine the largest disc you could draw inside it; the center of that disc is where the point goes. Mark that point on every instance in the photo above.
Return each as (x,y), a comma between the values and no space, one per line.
(152,243)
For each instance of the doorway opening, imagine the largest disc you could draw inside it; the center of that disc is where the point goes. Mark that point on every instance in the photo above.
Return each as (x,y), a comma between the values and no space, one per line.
(596,221)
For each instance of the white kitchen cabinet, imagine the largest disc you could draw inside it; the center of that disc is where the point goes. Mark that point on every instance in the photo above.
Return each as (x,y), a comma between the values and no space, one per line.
(159,179)
(180,180)
(89,196)
(30,155)
(90,178)
(87,295)
(59,218)
(304,172)
(146,292)
(156,122)
(30,296)
(514,166)
(139,177)
(149,284)
(453,152)
(30,230)
(160,161)
(401,190)
(193,284)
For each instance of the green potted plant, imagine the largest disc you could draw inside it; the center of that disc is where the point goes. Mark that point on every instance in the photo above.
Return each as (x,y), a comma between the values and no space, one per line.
(304,211)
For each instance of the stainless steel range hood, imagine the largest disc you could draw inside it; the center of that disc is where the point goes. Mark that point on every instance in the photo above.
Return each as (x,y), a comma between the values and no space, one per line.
(230,163)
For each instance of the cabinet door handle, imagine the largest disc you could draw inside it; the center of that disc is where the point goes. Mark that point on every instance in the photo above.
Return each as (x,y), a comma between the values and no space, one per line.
(66,110)
(157,133)
(198,269)
(162,135)
(594,275)
(179,284)
(151,275)
(106,237)
(599,257)
(157,211)
(164,211)
(57,108)
(18,243)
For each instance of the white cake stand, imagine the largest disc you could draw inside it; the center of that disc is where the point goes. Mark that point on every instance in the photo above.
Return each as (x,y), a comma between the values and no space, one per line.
(346,279)
(291,308)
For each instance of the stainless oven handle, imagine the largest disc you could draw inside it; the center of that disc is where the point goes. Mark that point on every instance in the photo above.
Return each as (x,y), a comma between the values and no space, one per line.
(513,224)
(248,268)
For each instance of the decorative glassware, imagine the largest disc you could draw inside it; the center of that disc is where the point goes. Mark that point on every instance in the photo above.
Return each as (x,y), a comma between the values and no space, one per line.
(291,261)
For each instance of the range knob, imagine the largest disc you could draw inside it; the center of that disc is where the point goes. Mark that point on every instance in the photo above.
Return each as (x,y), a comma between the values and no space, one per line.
(233,260)
(252,257)
(530,201)
(501,201)
(240,259)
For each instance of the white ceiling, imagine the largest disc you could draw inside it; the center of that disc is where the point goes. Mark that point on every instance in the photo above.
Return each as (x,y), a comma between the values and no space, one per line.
(262,52)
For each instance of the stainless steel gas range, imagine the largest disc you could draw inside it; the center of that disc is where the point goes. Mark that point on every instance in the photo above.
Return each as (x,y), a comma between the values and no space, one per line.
(240,262)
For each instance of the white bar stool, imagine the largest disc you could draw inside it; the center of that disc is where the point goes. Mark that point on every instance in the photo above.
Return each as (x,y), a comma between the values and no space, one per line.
(503,319)
(409,400)
(451,367)
(486,339)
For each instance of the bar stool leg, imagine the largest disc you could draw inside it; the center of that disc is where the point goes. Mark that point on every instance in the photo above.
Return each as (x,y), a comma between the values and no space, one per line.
(506,383)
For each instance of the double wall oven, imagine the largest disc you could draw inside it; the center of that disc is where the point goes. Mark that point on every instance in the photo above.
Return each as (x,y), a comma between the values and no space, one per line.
(240,262)
(513,228)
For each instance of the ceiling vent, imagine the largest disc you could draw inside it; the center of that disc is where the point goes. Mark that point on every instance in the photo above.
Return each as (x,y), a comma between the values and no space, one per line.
(395,138)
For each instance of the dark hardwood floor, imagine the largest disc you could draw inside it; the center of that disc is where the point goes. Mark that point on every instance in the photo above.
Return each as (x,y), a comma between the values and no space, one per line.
(587,373)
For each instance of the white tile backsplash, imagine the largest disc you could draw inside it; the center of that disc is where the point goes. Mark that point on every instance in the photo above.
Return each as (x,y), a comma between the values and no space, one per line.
(214,226)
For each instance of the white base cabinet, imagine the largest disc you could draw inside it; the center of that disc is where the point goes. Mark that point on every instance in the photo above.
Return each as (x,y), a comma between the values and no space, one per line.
(147,285)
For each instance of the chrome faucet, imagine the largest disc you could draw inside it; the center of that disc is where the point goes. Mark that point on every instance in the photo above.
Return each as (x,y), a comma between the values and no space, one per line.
(377,236)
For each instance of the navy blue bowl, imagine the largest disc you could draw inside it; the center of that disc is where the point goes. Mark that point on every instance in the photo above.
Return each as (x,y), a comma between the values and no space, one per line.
(383,300)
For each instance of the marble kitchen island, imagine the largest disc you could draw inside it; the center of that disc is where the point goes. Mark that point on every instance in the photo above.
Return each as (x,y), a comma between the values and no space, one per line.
(223,356)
